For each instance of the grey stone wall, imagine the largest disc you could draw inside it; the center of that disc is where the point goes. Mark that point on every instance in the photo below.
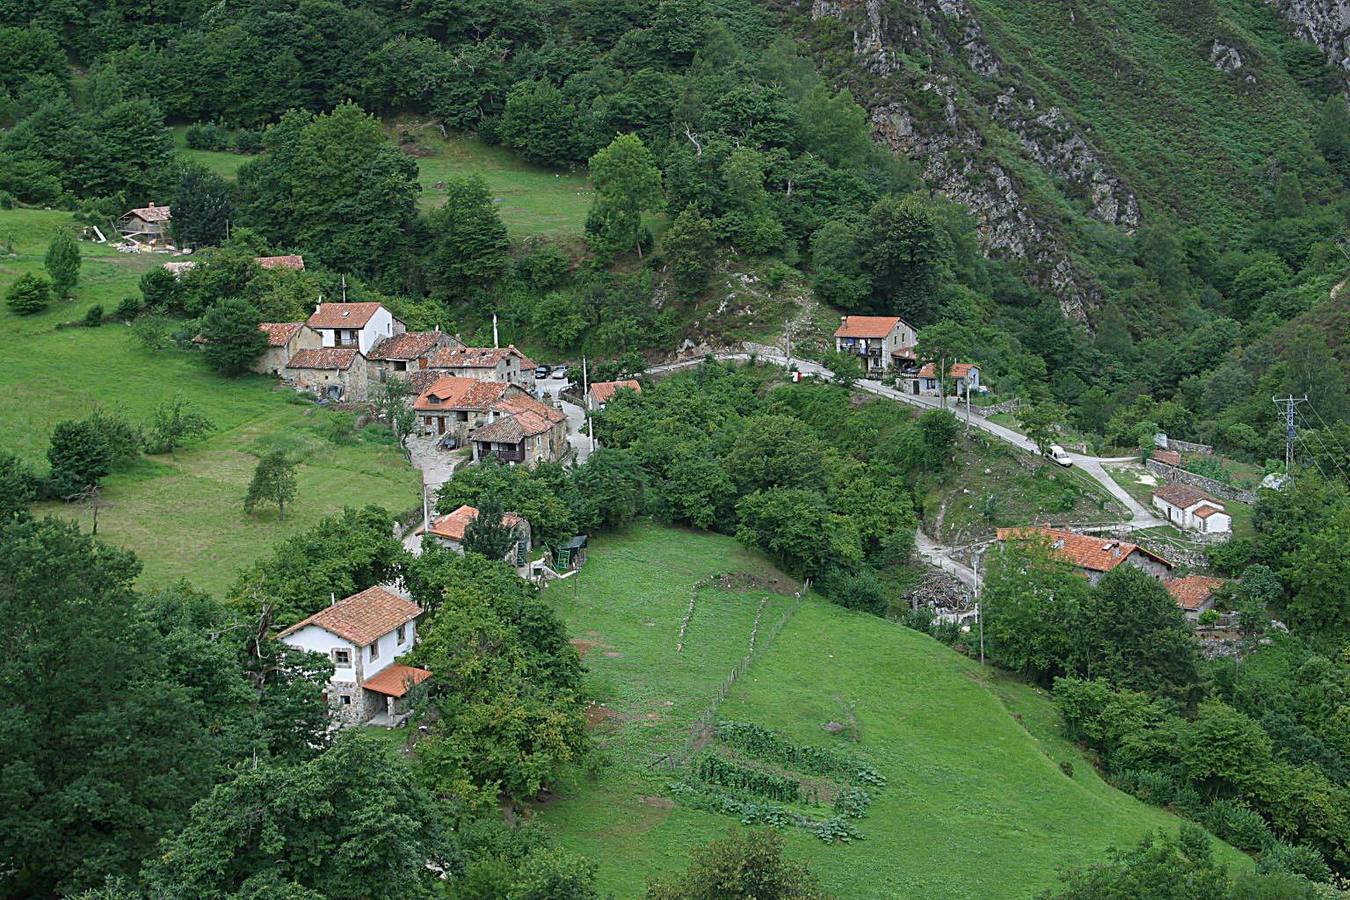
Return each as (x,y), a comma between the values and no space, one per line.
(1217,488)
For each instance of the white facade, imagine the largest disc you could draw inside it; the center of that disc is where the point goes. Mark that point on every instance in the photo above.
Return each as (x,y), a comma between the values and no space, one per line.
(874,343)
(1204,516)
(381,325)
(353,666)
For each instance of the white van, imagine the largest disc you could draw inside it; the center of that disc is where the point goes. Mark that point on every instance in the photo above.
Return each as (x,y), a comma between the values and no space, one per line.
(1056,452)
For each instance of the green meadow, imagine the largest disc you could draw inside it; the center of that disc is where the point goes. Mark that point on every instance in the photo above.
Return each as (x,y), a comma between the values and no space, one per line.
(977,802)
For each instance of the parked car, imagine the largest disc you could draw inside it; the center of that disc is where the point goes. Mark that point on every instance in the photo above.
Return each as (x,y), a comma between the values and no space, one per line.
(1056,452)
(541,371)
(560,371)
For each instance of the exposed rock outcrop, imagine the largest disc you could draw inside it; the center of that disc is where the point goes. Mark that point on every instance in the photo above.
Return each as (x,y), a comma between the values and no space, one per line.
(1325,23)
(932,119)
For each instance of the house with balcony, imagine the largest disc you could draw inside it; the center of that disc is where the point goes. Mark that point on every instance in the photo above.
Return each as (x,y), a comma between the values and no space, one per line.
(364,635)
(284,340)
(457,405)
(148,225)
(1191,509)
(521,430)
(448,531)
(486,364)
(354,326)
(1093,556)
(881,343)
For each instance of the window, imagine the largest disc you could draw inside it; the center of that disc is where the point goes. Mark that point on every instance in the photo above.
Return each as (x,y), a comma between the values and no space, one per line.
(400,366)
(402,633)
(342,657)
(375,650)
(346,700)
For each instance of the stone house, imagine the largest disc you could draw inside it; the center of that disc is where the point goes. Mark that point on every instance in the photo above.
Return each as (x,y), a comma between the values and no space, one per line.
(448,532)
(602,392)
(1091,555)
(1194,593)
(881,343)
(364,635)
(486,364)
(457,405)
(358,326)
(1191,509)
(284,339)
(522,430)
(147,225)
(409,351)
(961,377)
(334,373)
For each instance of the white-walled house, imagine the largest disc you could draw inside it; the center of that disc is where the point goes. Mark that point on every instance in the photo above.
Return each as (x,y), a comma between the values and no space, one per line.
(448,531)
(961,377)
(881,343)
(359,326)
(602,392)
(1191,509)
(364,635)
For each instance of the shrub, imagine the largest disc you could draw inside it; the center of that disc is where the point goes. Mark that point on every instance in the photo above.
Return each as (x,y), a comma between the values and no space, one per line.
(128,308)
(1296,859)
(1237,824)
(94,317)
(863,589)
(29,295)
(80,455)
(7,200)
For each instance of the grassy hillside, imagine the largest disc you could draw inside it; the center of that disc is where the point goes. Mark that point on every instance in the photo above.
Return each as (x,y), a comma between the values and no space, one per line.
(976,803)
(182,514)
(532,200)
(1187,136)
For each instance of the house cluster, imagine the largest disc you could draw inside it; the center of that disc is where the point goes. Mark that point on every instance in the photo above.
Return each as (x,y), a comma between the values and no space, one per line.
(498,418)
(1093,556)
(885,347)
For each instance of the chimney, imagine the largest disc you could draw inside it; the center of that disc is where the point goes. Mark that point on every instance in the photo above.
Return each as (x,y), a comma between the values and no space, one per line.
(332,599)
(494,331)
(152,205)
(318,306)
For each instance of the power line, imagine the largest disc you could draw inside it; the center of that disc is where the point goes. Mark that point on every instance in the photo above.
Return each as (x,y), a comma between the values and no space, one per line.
(1321,448)
(1290,430)
(1312,456)
(1329,433)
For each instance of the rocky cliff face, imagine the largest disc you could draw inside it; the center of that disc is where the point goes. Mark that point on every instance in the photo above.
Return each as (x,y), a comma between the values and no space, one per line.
(933,118)
(1325,23)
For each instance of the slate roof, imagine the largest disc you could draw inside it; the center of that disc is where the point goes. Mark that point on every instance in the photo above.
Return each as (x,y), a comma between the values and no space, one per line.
(1184,496)
(339,358)
(292,261)
(394,680)
(1097,554)
(343,315)
(1193,591)
(279,334)
(866,326)
(451,526)
(409,345)
(361,618)
(604,390)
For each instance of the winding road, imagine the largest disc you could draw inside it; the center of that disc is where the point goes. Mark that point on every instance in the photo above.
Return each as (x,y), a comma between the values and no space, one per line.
(937,554)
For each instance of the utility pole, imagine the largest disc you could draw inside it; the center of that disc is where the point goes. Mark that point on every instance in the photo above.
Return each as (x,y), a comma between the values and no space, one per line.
(967,403)
(586,400)
(787,336)
(1289,403)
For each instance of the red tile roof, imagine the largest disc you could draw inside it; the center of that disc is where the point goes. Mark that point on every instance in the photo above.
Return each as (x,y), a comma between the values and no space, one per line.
(1097,554)
(1193,591)
(409,345)
(473,357)
(1204,512)
(279,334)
(291,261)
(457,392)
(152,213)
(395,680)
(1170,457)
(361,618)
(1184,496)
(958,370)
(604,390)
(866,326)
(323,358)
(518,402)
(452,525)
(343,315)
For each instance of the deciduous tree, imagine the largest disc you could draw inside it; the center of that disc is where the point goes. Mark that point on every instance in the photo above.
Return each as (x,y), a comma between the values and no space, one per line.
(233,339)
(273,482)
(63,263)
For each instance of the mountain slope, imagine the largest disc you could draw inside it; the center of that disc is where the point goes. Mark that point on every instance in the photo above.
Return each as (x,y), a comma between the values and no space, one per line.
(1046,117)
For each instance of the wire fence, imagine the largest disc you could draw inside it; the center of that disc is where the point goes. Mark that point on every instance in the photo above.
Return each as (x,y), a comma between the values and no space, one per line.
(703,725)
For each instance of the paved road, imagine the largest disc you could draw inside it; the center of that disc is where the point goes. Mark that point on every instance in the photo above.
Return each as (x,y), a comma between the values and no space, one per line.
(934,553)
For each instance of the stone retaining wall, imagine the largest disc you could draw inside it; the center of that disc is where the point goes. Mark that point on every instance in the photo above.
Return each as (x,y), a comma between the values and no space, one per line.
(1217,488)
